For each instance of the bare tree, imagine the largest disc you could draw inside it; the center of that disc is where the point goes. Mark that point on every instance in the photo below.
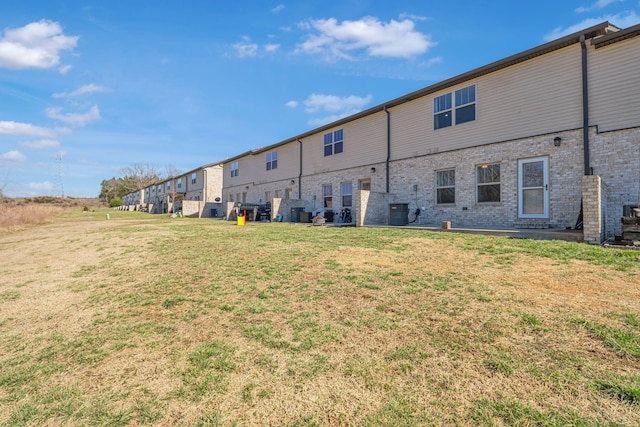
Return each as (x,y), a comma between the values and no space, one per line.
(142,175)
(4,182)
(171,171)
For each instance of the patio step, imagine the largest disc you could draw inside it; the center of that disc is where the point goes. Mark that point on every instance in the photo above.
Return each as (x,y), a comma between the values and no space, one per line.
(534,225)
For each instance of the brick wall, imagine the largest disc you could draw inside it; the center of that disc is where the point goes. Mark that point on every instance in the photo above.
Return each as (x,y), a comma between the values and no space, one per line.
(592,209)
(615,157)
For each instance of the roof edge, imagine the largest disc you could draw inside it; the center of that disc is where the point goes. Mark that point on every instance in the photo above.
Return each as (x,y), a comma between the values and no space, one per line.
(616,36)
(598,30)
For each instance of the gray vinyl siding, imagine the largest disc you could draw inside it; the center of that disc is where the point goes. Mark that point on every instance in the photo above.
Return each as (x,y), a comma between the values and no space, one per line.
(614,100)
(365,143)
(541,95)
(288,164)
(252,167)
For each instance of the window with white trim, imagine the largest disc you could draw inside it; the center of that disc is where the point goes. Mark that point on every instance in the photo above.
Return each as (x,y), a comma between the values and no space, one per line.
(179,182)
(327,194)
(234,169)
(272,160)
(445,113)
(333,143)
(193,178)
(488,183)
(446,187)
(346,194)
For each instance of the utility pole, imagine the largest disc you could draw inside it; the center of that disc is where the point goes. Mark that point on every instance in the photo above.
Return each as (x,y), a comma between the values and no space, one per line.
(58,187)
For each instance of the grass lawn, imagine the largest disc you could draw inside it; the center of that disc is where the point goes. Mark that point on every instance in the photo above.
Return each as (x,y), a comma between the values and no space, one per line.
(150,320)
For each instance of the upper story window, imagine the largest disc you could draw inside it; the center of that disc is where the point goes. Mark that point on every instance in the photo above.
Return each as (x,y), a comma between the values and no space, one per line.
(333,142)
(446,114)
(168,186)
(488,183)
(193,178)
(179,182)
(272,160)
(234,169)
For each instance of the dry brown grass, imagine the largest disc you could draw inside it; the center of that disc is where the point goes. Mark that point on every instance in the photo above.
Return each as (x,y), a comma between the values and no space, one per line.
(23,212)
(144,320)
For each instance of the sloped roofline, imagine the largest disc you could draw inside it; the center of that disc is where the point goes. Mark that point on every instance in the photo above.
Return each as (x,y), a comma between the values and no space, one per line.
(598,30)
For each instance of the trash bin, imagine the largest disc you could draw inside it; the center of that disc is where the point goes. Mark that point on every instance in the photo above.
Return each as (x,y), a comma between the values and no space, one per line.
(278,218)
(241,219)
(295,214)
(328,216)
(305,217)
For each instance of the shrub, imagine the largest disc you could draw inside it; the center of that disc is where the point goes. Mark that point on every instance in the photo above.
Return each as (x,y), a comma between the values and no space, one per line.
(115,202)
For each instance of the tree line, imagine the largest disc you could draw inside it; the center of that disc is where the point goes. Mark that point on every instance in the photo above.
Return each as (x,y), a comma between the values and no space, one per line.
(132,178)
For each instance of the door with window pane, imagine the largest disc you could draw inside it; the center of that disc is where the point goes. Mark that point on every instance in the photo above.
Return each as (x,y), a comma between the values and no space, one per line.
(533,188)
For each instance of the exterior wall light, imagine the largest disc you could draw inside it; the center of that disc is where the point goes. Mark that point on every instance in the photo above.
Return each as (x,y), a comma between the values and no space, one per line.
(557,141)
(373,170)
(293,181)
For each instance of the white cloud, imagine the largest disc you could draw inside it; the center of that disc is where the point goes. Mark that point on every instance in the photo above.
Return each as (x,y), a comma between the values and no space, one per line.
(41,186)
(246,48)
(338,107)
(74,119)
(36,45)
(278,8)
(434,60)
(599,4)
(413,17)
(64,69)
(90,88)
(334,40)
(622,20)
(12,157)
(271,47)
(332,103)
(292,104)
(41,144)
(16,128)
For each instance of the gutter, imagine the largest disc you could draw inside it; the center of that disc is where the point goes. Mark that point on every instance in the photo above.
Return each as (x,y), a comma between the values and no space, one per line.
(300,174)
(585,108)
(388,145)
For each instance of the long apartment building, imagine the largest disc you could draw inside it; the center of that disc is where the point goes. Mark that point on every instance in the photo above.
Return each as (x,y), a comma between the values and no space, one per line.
(549,137)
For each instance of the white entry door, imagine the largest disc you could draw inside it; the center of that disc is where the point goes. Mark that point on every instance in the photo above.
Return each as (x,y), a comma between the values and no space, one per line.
(533,188)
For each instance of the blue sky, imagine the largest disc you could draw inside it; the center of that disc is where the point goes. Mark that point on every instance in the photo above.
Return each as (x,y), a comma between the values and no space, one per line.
(90,87)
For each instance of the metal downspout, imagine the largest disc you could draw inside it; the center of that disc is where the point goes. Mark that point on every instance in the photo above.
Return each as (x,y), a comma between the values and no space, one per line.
(300,174)
(585,108)
(388,145)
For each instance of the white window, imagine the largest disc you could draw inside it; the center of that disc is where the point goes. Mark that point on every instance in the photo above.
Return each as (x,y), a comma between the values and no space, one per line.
(365,184)
(327,194)
(333,143)
(347,196)
(193,178)
(234,169)
(272,160)
(464,109)
(446,186)
(488,183)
